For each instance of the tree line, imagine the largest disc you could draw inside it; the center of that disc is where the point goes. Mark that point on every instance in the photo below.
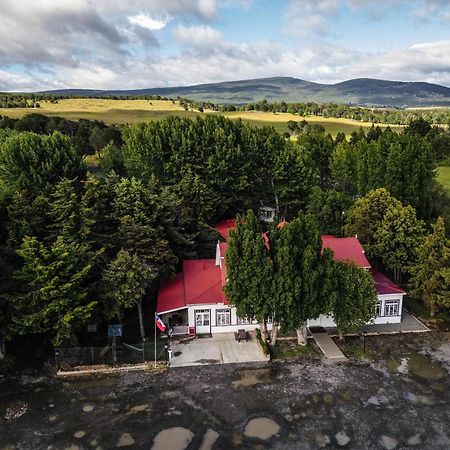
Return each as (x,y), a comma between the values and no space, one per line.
(80,246)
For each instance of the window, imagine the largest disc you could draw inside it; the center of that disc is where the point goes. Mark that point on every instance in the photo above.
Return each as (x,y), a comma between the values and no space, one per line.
(223,317)
(243,321)
(391,308)
(378,309)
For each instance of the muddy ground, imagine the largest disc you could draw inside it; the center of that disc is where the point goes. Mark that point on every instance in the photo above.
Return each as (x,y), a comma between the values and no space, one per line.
(399,398)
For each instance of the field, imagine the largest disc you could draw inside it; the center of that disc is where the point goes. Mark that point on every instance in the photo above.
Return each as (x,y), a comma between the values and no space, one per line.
(132,111)
(444,177)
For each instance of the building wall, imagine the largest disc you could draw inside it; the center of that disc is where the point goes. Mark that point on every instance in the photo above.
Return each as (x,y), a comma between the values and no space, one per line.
(328,321)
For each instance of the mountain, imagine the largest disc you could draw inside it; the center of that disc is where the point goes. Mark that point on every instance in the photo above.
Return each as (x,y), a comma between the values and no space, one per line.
(360,91)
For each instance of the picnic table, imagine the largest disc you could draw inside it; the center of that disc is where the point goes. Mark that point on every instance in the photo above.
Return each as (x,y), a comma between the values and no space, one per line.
(241,334)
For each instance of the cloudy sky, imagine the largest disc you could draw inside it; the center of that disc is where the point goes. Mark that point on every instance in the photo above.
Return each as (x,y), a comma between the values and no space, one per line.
(128,44)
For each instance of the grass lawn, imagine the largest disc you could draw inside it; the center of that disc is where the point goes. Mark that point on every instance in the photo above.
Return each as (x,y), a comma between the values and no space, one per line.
(132,111)
(444,177)
(440,320)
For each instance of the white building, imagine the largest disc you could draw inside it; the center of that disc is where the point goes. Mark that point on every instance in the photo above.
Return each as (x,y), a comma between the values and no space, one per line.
(194,302)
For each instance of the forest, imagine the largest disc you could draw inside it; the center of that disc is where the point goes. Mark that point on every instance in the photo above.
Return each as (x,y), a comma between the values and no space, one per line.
(82,244)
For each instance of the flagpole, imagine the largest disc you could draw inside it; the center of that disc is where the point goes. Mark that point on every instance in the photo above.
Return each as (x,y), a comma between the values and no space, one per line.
(155,342)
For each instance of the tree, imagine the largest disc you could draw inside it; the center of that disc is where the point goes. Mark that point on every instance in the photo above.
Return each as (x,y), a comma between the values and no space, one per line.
(365,216)
(431,271)
(329,208)
(301,286)
(355,297)
(397,238)
(126,280)
(343,166)
(53,297)
(249,269)
(35,163)
(293,178)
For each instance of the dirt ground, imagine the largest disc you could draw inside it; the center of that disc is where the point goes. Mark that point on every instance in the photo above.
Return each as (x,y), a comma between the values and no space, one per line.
(397,398)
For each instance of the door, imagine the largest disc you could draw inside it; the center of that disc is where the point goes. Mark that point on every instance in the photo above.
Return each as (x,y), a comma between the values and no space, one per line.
(202,321)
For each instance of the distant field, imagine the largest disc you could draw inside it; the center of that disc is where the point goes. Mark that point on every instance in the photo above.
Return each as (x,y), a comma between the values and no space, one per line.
(444,177)
(132,111)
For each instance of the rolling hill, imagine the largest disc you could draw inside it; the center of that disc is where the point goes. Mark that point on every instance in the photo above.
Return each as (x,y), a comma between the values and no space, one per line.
(361,91)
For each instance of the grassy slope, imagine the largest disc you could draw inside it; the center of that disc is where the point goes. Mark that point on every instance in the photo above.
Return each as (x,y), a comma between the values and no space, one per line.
(444,177)
(132,111)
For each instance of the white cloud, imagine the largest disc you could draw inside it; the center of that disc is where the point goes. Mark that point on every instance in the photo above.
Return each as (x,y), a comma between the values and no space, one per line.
(198,35)
(151,23)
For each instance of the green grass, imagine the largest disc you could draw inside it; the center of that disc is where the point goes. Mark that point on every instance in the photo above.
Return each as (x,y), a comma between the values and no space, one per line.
(440,320)
(132,111)
(290,349)
(444,178)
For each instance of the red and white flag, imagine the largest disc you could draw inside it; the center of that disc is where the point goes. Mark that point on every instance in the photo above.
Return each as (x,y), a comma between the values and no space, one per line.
(159,323)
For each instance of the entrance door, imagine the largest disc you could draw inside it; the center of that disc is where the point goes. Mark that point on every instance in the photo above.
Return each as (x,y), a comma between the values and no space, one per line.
(202,321)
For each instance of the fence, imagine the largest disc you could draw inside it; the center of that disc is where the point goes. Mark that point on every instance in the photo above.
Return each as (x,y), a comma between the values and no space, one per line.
(67,358)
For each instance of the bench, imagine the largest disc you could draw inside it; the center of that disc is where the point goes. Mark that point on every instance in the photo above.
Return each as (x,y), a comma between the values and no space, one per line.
(241,335)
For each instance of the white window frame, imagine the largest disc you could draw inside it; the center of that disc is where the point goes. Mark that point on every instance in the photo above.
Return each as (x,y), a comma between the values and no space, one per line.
(379,308)
(391,306)
(223,317)
(244,321)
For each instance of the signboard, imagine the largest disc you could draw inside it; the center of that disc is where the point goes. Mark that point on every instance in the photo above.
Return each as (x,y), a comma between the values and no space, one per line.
(115,330)
(92,328)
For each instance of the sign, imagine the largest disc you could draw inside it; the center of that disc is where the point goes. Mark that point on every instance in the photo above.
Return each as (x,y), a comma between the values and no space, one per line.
(92,328)
(115,330)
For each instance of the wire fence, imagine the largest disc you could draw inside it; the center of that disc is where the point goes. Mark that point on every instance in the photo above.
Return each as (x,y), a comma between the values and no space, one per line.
(67,358)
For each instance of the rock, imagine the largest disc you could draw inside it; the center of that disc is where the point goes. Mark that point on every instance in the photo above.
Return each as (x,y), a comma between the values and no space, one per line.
(288,417)
(261,428)
(414,440)
(72,447)
(328,398)
(93,443)
(389,443)
(322,440)
(342,438)
(88,408)
(79,434)
(138,408)
(51,418)
(125,440)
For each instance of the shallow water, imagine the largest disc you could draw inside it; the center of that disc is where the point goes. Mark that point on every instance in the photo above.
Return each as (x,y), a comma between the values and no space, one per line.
(176,438)
(424,367)
(250,377)
(261,428)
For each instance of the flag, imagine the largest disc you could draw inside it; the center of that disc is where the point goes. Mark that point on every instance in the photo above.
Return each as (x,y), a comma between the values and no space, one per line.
(159,323)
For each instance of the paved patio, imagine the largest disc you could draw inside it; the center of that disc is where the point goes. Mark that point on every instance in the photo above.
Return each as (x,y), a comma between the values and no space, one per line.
(409,324)
(221,348)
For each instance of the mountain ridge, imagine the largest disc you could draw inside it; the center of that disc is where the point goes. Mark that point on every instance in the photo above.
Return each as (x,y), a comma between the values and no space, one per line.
(358,91)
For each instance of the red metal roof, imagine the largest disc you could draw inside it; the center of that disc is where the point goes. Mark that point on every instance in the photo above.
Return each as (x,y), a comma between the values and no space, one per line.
(171,294)
(346,249)
(202,282)
(224,226)
(384,285)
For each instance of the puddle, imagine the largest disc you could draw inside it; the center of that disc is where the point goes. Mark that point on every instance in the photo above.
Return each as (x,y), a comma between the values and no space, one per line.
(261,428)
(125,440)
(176,438)
(250,377)
(209,439)
(423,367)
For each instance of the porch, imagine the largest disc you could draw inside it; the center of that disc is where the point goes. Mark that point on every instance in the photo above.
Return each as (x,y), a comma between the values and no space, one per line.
(220,348)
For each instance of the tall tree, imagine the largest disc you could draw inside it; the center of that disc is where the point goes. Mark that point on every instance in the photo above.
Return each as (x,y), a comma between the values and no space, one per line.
(126,280)
(355,297)
(249,270)
(301,286)
(365,216)
(431,271)
(397,239)
(53,297)
(35,163)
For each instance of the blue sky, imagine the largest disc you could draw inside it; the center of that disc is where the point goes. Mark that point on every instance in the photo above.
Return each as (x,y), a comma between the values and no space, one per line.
(128,44)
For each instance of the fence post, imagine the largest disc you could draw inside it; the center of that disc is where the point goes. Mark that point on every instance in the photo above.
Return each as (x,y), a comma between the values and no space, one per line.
(92,355)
